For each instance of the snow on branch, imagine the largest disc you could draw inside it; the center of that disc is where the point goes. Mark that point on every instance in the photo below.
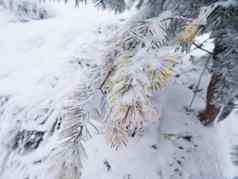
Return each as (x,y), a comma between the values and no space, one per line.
(26,9)
(142,66)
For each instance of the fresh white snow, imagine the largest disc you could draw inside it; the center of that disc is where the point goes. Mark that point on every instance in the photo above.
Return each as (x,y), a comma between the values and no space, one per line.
(38,65)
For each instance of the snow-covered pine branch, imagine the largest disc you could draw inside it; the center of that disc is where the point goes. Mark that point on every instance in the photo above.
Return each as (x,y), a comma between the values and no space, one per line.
(26,10)
(66,156)
(141,66)
(234,155)
(57,125)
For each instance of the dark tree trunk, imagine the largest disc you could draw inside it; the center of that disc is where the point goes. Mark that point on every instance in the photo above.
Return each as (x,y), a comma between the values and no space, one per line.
(212,110)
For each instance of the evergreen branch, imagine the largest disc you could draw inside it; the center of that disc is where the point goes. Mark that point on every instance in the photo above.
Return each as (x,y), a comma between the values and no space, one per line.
(234,155)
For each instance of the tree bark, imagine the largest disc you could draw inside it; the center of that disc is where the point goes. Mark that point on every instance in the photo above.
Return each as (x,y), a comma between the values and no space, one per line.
(212,110)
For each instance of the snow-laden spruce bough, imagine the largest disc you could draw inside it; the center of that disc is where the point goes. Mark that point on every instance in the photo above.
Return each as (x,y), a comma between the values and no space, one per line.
(138,64)
(26,10)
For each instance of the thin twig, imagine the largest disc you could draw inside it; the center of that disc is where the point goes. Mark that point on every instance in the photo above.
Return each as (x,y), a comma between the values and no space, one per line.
(203,49)
(198,83)
(178,18)
(127,113)
(201,44)
(105,80)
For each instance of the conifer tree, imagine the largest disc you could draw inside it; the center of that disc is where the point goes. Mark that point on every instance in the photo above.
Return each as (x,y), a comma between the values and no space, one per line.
(139,63)
(223,88)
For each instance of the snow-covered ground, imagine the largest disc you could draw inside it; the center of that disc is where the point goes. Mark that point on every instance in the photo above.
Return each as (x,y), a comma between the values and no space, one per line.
(38,64)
